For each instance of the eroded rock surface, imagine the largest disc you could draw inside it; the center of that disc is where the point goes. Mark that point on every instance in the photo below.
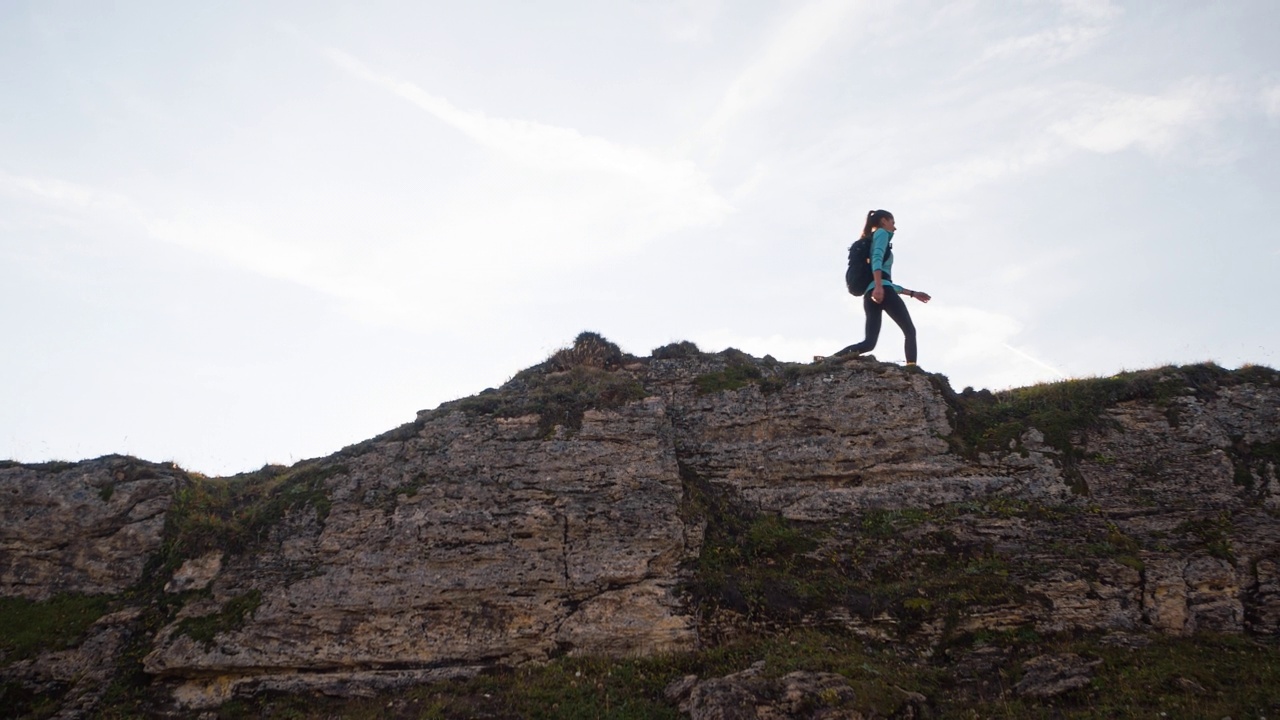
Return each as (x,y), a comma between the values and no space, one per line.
(86,527)
(477,537)
(473,542)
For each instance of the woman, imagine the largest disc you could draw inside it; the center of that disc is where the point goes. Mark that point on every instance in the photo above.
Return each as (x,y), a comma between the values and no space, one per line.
(883,296)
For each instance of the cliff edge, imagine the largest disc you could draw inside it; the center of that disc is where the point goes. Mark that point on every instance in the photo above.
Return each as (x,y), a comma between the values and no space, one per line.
(601,505)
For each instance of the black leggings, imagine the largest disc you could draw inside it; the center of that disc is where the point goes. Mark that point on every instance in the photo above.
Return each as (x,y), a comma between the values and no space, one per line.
(897,309)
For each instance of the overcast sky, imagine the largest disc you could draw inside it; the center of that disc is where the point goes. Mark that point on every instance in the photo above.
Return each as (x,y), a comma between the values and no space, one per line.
(244,232)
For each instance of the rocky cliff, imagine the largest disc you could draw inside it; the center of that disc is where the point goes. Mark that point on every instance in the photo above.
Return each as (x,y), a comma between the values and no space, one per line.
(676,506)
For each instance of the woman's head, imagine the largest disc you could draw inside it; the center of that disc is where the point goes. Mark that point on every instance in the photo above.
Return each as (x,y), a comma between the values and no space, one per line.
(877,219)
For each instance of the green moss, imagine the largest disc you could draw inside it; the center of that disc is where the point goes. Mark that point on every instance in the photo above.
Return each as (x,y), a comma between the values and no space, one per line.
(1251,461)
(234,612)
(733,377)
(1211,534)
(28,627)
(770,569)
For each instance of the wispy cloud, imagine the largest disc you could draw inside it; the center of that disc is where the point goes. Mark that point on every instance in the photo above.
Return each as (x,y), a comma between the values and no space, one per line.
(670,192)
(1270,98)
(1084,22)
(792,46)
(1111,120)
(1052,123)
(686,21)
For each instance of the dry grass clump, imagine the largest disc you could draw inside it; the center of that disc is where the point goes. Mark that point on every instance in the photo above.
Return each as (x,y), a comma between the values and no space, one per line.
(589,349)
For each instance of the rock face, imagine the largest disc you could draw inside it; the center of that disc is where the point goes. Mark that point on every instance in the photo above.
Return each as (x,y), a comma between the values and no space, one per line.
(749,695)
(474,541)
(80,528)
(482,534)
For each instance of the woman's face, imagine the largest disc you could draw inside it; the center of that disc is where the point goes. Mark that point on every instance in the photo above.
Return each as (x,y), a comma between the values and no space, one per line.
(887,223)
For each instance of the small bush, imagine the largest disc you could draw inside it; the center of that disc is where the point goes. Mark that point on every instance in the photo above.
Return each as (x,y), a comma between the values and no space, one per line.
(589,349)
(676,351)
(235,513)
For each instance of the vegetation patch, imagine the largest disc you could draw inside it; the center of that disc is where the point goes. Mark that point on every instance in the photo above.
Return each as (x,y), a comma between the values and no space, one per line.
(29,627)
(559,391)
(589,349)
(233,514)
(1212,534)
(771,570)
(732,377)
(234,612)
(558,398)
(1207,676)
(676,351)
(987,421)
(995,422)
(1254,461)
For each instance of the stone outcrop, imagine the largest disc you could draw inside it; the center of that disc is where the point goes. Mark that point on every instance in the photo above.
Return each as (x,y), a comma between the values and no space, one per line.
(499,531)
(85,527)
(752,695)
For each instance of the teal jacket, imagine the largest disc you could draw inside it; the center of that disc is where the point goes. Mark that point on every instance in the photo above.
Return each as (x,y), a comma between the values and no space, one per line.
(879,246)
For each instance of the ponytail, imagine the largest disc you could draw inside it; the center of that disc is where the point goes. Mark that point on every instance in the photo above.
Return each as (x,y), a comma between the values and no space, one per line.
(873,221)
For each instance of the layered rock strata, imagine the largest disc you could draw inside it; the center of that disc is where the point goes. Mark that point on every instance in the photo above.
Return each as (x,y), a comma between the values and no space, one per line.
(470,539)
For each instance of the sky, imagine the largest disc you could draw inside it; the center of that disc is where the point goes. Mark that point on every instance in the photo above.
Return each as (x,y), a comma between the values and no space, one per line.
(242,233)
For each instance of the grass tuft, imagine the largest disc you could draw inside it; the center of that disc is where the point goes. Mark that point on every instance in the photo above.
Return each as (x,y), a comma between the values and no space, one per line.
(28,627)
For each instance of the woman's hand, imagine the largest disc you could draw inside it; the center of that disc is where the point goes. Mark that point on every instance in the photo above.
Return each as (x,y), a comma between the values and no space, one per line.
(877,295)
(921,296)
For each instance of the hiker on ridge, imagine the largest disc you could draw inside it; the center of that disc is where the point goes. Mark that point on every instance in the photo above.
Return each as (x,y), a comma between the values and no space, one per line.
(881,295)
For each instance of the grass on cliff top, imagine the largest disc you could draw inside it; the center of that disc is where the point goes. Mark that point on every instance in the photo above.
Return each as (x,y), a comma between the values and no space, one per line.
(741,370)
(988,421)
(584,376)
(29,627)
(232,514)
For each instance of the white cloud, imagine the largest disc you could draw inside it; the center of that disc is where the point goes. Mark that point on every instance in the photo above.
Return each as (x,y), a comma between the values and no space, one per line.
(579,183)
(63,194)
(1111,120)
(976,347)
(1045,126)
(1270,98)
(1086,21)
(795,43)
(685,21)
(1098,11)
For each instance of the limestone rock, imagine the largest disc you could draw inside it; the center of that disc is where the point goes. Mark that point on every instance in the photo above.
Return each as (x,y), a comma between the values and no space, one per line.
(473,542)
(749,695)
(1049,675)
(195,573)
(81,528)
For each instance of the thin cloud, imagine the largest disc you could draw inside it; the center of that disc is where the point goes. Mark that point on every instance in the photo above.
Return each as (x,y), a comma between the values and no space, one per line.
(546,147)
(1270,98)
(1085,22)
(794,45)
(1113,121)
(1056,122)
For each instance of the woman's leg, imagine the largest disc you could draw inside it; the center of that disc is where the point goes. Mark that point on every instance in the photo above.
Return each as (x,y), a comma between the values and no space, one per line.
(897,309)
(875,314)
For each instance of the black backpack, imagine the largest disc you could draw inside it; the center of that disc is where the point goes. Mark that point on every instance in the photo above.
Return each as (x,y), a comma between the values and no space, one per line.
(859,276)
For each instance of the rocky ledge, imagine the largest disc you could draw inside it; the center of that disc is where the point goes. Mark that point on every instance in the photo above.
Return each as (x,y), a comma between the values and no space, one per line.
(606,506)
